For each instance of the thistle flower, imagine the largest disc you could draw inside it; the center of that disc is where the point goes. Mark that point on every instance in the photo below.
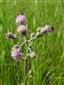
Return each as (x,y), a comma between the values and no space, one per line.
(15,53)
(21,19)
(46,29)
(11,35)
(22,29)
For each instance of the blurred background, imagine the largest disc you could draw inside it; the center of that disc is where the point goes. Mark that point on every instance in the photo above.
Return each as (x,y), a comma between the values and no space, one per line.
(48,68)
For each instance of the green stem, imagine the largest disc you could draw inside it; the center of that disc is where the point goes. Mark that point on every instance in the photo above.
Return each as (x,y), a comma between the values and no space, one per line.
(26,69)
(26,72)
(28,41)
(31,39)
(26,63)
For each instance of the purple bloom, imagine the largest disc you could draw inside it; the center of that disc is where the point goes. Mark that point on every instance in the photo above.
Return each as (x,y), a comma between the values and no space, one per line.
(11,35)
(21,19)
(46,29)
(22,29)
(15,53)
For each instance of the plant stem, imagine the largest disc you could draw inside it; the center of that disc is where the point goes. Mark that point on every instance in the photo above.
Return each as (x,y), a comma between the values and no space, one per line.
(28,41)
(26,68)
(26,72)
(31,39)
(26,63)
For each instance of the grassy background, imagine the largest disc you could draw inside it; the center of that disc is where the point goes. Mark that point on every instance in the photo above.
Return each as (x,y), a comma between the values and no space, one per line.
(48,68)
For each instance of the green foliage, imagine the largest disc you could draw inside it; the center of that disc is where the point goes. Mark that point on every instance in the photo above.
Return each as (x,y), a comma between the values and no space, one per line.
(48,67)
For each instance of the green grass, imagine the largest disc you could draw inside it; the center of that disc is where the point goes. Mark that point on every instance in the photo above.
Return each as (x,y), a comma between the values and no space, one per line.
(48,68)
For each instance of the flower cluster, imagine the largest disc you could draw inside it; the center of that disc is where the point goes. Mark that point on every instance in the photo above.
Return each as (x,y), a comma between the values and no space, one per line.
(17,51)
(22,29)
(21,21)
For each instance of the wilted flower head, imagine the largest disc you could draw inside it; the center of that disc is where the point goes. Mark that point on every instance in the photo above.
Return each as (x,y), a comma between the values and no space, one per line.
(22,29)
(15,53)
(11,35)
(46,29)
(21,19)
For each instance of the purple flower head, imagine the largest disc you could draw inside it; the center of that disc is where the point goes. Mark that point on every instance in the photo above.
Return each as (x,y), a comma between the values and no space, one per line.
(21,19)
(46,29)
(11,35)
(15,53)
(22,29)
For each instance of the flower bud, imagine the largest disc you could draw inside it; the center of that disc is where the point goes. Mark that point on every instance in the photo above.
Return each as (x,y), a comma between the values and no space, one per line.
(37,34)
(11,35)
(32,35)
(33,55)
(21,19)
(15,53)
(22,29)
(30,74)
(38,29)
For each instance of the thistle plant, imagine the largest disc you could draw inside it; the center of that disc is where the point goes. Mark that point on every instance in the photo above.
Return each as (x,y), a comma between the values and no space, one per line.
(22,32)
